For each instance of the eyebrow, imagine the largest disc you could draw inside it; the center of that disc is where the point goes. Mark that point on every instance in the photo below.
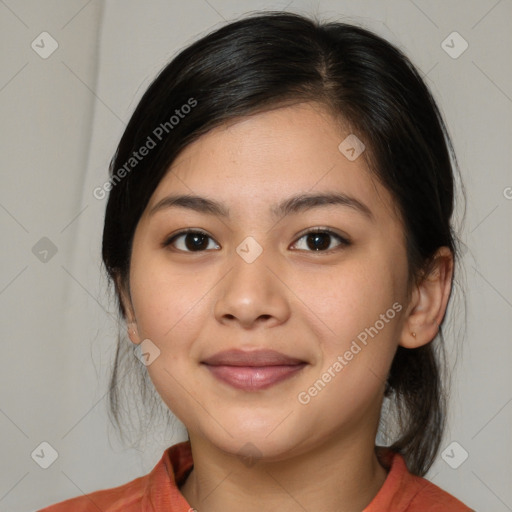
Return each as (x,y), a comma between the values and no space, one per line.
(292,205)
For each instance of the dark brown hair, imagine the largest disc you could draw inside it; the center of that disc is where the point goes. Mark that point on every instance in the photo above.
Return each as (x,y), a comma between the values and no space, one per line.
(261,62)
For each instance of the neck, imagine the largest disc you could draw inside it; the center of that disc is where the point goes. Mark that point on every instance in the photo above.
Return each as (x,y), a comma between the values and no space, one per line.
(341,475)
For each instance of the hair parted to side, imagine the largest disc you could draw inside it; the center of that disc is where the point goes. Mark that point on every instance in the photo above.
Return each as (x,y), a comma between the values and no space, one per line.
(271,59)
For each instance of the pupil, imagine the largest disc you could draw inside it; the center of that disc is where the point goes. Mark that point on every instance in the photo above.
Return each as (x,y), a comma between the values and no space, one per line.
(194,245)
(321,237)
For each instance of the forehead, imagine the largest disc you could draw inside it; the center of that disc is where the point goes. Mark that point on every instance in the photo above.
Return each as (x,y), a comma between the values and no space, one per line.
(261,159)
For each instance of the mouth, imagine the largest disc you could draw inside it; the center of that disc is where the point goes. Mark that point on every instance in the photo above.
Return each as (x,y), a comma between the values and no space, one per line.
(254,370)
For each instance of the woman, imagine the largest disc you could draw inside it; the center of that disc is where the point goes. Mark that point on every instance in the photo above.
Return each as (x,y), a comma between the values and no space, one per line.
(279,234)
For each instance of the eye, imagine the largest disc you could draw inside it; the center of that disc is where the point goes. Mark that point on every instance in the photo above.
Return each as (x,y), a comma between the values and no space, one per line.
(319,240)
(193,241)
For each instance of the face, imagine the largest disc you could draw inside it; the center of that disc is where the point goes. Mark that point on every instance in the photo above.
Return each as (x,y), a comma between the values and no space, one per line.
(322,282)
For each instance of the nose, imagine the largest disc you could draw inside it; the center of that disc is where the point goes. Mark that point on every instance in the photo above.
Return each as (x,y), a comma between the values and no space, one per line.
(252,294)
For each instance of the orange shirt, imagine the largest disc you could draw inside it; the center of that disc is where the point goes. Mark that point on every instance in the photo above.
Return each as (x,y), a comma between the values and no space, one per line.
(159,490)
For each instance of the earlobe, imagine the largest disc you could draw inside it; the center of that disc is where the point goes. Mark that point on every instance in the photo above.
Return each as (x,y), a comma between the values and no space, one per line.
(429,302)
(133,333)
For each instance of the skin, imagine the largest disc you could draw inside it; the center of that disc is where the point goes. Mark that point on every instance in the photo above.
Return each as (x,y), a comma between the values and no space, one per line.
(305,303)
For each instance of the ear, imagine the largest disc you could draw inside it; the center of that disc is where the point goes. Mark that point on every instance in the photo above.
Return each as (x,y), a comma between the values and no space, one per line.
(428,302)
(131,322)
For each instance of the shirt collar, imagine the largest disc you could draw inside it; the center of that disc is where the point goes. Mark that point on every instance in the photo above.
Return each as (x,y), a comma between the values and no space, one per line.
(162,486)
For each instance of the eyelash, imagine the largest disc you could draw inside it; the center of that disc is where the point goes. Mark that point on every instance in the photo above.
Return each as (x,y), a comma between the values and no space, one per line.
(344,242)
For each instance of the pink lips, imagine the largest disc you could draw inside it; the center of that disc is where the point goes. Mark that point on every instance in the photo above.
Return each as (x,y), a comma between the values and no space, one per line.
(252,371)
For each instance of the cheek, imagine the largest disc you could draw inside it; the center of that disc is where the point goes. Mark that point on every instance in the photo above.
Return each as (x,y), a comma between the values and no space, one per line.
(359,306)
(345,300)
(358,343)
(170,312)
(166,303)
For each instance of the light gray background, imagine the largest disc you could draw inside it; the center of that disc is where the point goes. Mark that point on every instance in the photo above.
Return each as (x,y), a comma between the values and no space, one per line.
(61,120)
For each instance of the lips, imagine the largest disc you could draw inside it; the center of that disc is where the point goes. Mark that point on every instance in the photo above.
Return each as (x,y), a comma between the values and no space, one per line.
(253,358)
(254,370)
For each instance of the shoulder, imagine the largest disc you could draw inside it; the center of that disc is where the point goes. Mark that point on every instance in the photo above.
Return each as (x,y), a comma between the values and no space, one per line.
(404,492)
(429,497)
(158,490)
(125,497)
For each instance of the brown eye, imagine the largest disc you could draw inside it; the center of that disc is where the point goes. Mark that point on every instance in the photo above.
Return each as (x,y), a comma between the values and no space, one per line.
(191,241)
(319,240)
